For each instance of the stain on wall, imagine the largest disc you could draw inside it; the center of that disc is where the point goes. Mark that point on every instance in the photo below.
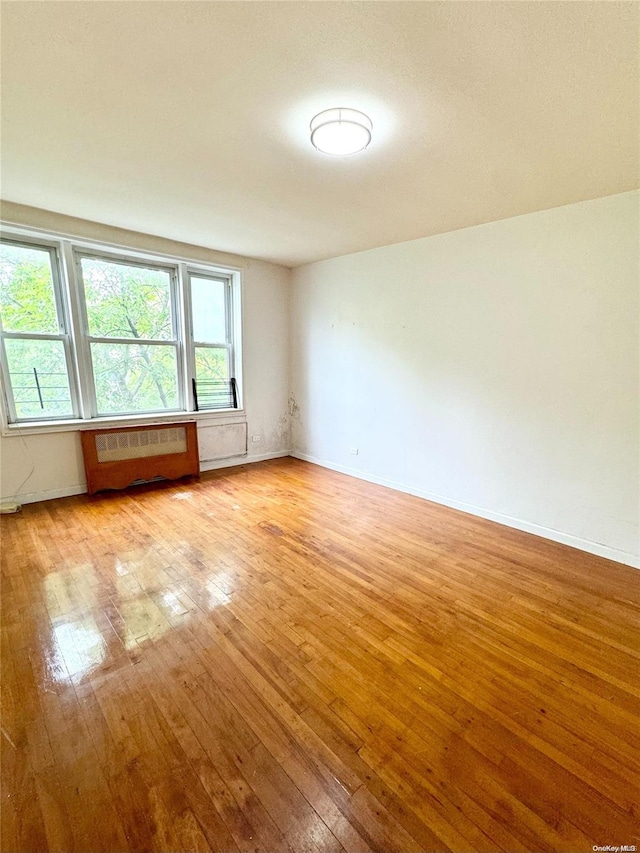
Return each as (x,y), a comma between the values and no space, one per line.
(280,437)
(297,433)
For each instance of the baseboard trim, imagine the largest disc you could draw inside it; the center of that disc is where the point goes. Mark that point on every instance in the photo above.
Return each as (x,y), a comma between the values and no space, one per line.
(590,547)
(231,461)
(47,495)
(70,491)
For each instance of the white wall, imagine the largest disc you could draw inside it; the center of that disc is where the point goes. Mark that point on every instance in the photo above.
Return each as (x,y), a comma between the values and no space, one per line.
(33,467)
(494,369)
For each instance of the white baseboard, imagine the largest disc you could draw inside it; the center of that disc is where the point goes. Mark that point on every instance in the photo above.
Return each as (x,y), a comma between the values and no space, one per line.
(47,495)
(214,464)
(51,494)
(590,547)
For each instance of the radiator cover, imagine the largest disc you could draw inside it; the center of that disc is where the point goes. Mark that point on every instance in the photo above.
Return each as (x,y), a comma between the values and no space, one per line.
(116,458)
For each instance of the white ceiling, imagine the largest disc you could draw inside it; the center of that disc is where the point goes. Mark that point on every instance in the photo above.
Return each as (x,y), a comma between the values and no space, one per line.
(190,120)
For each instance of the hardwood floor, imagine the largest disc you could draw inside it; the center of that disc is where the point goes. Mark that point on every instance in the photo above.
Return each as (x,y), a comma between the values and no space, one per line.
(279,657)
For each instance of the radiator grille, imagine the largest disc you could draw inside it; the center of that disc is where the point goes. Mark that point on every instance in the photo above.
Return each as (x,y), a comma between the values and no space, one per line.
(118,446)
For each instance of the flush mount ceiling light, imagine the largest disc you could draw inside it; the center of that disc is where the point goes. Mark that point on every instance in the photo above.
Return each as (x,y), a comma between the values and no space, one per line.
(341,131)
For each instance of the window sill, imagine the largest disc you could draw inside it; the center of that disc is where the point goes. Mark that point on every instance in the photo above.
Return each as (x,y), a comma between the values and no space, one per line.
(124,421)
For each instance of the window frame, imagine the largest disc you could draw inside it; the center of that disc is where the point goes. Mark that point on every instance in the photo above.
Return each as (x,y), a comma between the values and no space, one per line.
(88,338)
(229,333)
(64,335)
(71,306)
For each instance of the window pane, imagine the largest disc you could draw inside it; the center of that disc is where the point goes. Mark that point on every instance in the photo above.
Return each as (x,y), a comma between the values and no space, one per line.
(39,379)
(127,301)
(133,378)
(211,363)
(213,387)
(208,309)
(27,300)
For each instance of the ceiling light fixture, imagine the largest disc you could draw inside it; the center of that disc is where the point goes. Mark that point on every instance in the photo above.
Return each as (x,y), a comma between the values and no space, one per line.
(341,131)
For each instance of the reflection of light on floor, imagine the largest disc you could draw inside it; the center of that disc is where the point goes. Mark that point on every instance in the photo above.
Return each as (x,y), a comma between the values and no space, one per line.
(182,496)
(128,587)
(143,620)
(174,604)
(217,598)
(69,589)
(80,646)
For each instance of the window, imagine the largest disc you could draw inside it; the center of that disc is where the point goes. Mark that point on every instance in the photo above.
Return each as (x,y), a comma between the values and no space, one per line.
(132,335)
(36,350)
(213,369)
(88,333)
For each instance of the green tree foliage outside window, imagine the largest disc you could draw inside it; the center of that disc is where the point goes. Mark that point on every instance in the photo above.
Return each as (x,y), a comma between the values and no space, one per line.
(130,302)
(132,333)
(37,367)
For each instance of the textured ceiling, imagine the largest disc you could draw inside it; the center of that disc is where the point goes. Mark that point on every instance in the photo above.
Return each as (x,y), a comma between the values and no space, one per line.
(189,119)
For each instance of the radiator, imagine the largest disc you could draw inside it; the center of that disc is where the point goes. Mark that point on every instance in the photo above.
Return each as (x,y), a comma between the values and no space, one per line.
(116,458)
(222,441)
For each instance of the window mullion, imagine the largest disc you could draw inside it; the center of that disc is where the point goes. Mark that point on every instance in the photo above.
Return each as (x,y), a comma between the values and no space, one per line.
(61,296)
(222,345)
(34,336)
(187,332)
(176,319)
(143,342)
(82,350)
(7,387)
